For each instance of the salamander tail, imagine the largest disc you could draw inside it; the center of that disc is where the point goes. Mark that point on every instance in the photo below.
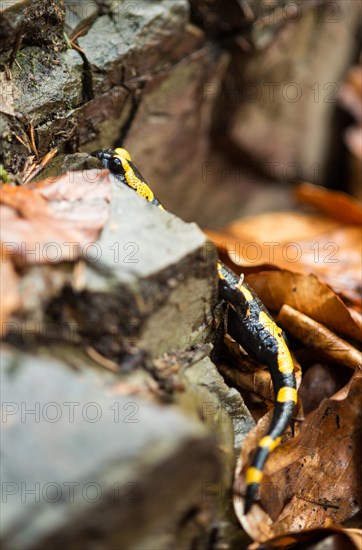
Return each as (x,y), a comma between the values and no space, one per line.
(281,418)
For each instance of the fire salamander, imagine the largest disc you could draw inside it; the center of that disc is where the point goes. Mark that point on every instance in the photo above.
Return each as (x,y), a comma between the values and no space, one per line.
(248,323)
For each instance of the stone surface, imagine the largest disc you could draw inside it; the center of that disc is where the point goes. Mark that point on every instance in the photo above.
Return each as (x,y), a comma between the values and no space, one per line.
(221,409)
(23,22)
(89,461)
(43,88)
(100,121)
(221,406)
(51,83)
(148,284)
(178,110)
(110,461)
(148,279)
(63,163)
(114,44)
(79,15)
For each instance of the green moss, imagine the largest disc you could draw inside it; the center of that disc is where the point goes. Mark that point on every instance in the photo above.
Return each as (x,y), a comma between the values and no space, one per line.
(3,175)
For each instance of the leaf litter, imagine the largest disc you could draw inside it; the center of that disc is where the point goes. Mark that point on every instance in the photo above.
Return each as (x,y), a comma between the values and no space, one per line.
(306,268)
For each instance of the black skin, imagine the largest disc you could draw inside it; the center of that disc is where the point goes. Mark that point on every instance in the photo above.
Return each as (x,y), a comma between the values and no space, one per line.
(110,161)
(244,327)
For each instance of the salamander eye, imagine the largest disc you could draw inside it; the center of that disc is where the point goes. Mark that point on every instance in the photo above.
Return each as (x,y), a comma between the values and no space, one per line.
(115,165)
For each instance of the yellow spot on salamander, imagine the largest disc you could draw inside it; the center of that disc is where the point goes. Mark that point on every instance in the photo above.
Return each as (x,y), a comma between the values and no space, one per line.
(132,180)
(219,270)
(253,475)
(285,361)
(269,442)
(287,394)
(135,183)
(122,153)
(248,295)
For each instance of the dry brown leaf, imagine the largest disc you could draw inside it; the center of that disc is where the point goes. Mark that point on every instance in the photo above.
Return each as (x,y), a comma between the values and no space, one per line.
(303,243)
(269,239)
(258,382)
(314,479)
(336,204)
(357,317)
(346,539)
(281,228)
(28,204)
(306,294)
(316,336)
(54,220)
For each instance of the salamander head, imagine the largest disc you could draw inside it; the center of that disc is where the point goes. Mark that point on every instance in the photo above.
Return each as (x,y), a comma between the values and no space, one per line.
(120,165)
(115,160)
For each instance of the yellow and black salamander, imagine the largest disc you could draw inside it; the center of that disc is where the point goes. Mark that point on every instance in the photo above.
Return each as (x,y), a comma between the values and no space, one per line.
(249,323)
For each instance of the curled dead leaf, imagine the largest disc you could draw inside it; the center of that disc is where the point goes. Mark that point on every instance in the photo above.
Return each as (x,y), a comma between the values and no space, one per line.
(307,294)
(315,335)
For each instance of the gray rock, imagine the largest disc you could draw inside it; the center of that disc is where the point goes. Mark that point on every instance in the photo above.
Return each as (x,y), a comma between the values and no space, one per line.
(79,15)
(25,22)
(223,411)
(64,163)
(100,122)
(115,44)
(43,84)
(88,460)
(148,279)
(43,89)
(177,111)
